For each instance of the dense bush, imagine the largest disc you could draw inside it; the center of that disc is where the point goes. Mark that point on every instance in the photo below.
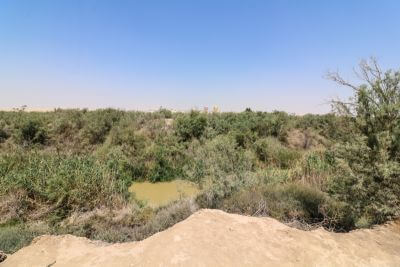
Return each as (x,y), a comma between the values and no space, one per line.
(164,166)
(68,121)
(69,183)
(368,169)
(16,236)
(32,132)
(99,123)
(275,124)
(372,187)
(330,126)
(291,203)
(269,150)
(190,125)
(244,139)
(3,135)
(221,167)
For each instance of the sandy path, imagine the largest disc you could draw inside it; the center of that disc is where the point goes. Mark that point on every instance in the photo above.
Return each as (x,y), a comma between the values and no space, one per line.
(215,238)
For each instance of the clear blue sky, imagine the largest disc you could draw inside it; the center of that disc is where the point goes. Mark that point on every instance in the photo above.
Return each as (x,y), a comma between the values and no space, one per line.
(183,54)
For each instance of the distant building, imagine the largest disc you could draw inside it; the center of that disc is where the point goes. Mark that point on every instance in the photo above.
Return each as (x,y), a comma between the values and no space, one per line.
(215,109)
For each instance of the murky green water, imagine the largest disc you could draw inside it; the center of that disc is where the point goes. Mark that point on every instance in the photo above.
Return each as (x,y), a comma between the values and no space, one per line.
(159,194)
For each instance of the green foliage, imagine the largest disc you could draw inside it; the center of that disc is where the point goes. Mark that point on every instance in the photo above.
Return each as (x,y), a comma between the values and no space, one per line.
(3,135)
(269,150)
(330,126)
(291,203)
(368,169)
(316,168)
(275,125)
(14,237)
(244,139)
(99,123)
(167,114)
(190,125)
(316,163)
(371,187)
(70,163)
(135,225)
(69,121)
(218,157)
(220,166)
(163,168)
(68,182)
(32,132)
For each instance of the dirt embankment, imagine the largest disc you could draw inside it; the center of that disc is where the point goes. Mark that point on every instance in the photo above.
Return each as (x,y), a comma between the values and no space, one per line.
(215,238)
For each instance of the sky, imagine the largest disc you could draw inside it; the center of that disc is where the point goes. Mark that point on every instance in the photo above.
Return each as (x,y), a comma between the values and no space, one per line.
(143,55)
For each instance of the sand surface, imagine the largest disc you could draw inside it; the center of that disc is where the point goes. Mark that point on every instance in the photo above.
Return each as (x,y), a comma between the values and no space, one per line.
(215,238)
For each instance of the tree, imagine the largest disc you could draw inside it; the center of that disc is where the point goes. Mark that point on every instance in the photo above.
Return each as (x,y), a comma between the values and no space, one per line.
(369,177)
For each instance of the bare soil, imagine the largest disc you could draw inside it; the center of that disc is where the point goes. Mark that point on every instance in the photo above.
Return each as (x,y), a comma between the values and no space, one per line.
(215,238)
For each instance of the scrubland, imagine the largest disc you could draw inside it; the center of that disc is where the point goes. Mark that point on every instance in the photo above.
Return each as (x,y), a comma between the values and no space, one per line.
(68,171)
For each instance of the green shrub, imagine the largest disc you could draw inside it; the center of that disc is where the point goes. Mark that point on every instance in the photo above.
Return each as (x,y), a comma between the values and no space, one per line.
(125,147)
(277,175)
(163,168)
(244,139)
(221,123)
(373,189)
(221,168)
(330,125)
(68,182)
(291,203)
(32,132)
(135,225)
(217,158)
(368,169)
(315,169)
(68,122)
(166,217)
(14,237)
(190,125)
(3,135)
(270,150)
(167,114)
(98,124)
(273,124)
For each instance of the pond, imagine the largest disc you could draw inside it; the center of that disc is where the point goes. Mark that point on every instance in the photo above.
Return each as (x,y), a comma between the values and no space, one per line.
(162,193)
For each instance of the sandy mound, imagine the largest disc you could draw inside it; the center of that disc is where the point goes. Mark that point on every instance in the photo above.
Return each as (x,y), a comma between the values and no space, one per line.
(215,238)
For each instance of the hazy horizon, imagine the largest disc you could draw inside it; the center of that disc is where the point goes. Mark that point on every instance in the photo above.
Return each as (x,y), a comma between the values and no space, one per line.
(266,55)
(200,109)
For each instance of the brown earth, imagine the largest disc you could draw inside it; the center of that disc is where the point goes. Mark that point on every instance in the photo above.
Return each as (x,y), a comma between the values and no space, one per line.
(215,238)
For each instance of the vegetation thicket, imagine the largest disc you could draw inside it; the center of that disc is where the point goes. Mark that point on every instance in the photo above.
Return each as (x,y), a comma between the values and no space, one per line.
(68,171)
